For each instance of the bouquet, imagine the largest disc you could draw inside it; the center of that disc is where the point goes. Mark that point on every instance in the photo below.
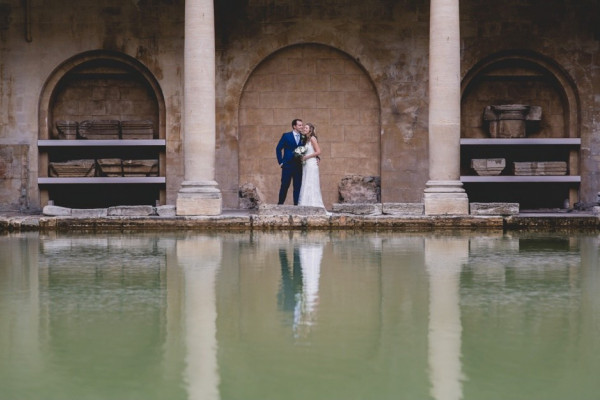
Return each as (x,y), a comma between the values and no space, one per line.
(299,152)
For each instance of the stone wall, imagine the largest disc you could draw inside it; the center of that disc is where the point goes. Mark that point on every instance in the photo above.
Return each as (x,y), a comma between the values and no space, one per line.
(319,85)
(387,41)
(14,172)
(149,31)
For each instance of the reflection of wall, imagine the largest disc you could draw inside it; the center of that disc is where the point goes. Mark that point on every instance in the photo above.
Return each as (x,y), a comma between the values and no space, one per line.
(21,314)
(525,316)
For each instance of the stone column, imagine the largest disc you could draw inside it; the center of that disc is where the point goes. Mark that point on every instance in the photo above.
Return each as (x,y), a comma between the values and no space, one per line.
(199,193)
(444,193)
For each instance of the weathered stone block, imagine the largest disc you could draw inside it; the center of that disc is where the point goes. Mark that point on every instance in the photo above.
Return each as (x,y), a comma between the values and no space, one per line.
(130,211)
(360,189)
(403,208)
(488,166)
(166,211)
(357,208)
(250,197)
(494,208)
(89,212)
(56,211)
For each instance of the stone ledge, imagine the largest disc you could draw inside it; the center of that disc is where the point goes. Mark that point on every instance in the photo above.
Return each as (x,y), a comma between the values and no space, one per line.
(403,208)
(275,209)
(494,208)
(357,208)
(131,211)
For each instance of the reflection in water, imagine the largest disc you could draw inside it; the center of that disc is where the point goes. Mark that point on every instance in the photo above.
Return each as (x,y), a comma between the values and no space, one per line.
(198,316)
(306,308)
(299,290)
(444,259)
(200,258)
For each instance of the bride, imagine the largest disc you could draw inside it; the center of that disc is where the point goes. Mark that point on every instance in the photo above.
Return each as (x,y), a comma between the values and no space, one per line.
(310,191)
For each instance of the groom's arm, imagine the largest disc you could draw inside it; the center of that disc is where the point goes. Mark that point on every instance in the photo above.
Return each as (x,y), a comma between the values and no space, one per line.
(279,149)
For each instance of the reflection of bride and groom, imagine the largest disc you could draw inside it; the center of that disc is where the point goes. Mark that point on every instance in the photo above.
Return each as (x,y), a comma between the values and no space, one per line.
(301,168)
(299,291)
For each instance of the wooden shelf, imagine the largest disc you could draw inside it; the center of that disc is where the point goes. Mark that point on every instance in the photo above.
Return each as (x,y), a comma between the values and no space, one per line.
(103,180)
(102,143)
(521,179)
(521,142)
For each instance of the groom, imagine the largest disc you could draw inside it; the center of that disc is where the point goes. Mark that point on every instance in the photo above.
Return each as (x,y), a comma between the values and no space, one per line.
(291,168)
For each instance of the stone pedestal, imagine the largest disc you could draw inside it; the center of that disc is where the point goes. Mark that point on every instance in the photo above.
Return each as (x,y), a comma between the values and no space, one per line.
(445,198)
(199,198)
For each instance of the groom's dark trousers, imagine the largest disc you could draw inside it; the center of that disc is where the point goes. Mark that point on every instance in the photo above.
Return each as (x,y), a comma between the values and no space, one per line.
(291,168)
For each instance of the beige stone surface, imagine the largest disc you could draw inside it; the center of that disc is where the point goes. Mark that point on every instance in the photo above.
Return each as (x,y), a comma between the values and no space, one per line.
(320,85)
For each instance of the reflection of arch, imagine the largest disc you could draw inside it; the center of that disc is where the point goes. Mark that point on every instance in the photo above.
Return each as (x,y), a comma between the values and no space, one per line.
(98,63)
(319,84)
(526,68)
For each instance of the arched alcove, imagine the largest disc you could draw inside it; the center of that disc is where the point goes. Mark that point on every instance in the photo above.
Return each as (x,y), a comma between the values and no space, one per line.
(102,86)
(317,84)
(542,161)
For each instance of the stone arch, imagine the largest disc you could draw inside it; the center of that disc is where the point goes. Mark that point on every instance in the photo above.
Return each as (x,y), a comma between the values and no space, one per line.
(521,77)
(102,66)
(318,84)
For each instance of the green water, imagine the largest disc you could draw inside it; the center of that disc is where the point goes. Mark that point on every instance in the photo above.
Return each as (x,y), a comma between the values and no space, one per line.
(291,315)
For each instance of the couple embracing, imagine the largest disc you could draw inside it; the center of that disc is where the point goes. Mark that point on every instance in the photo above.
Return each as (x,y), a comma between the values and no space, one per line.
(300,167)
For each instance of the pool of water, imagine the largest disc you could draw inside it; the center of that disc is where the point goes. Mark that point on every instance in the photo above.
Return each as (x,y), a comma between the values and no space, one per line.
(292,315)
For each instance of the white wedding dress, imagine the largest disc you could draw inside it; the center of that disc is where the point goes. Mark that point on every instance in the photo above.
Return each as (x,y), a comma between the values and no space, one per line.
(310,191)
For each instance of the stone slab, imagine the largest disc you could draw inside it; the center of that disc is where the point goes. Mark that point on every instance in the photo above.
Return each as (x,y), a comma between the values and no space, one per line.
(166,211)
(357,208)
(130,211)
(494,208)
(403,208)
(56,211)
(89,212)
(189,206)
(275,209)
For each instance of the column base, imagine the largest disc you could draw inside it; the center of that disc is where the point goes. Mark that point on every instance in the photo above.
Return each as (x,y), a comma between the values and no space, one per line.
(445,198)
(199,198)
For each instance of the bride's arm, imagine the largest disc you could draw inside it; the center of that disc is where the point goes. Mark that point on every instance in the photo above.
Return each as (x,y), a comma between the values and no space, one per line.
(316,148)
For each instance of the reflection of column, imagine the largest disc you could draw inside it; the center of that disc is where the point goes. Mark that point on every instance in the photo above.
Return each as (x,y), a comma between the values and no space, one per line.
(444,259)
(444,193)
(200,258)
(199,193)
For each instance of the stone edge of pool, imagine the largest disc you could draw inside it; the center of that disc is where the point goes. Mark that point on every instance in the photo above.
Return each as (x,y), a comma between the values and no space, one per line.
(237,221)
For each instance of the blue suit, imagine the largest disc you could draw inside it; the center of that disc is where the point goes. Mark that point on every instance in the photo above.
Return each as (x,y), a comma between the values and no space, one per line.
(291,167)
